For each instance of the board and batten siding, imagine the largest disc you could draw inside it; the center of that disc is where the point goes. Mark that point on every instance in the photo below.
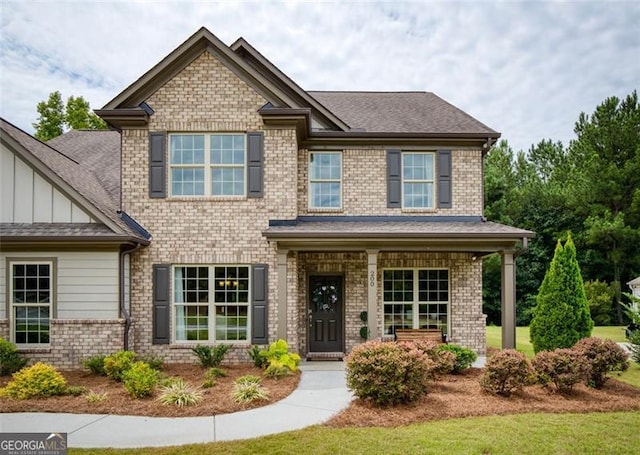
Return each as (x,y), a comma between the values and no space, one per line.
(87,283)
(26,197)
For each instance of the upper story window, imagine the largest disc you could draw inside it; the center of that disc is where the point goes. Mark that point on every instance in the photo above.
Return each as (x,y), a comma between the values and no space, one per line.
(207,164)
(325,180)
(418,180)
(31,302)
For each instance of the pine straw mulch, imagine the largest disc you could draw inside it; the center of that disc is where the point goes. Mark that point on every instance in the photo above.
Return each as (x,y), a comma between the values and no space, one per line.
(461,396)
(217,400)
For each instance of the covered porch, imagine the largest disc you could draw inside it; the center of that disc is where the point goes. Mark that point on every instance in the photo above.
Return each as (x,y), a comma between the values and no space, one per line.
(342,279)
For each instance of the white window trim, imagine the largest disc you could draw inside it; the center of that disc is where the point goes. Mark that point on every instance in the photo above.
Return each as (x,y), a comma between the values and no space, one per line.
(52,262)
(212,306)
(310,181)
(432,181)
(208,167)
(415,301)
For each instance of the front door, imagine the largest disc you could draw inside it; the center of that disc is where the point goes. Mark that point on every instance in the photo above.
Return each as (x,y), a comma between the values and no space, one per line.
(325,313)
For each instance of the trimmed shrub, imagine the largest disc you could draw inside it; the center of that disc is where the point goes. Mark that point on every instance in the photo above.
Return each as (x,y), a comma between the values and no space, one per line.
(10,359)
(95,364)
(140,379)
(506,372)
(39,380)
(156,362)
(116,364)
(180,394)
(211,356)
(464,356)
(563,368)
(246,389)
(603,356)
(388,373)
(444,361)
(561,316)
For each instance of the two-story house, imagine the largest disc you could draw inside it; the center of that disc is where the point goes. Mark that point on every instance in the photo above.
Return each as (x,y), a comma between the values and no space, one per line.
(250,209)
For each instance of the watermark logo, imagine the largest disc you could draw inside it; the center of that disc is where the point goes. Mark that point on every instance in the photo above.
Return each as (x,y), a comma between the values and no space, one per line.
(33,443)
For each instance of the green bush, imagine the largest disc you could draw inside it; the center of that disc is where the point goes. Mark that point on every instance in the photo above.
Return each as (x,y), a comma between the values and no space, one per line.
(258,360)
(10,359)
(444,360)
(563,368)
(279,360)
(634,345)
(140,379)
(180,394)
(116,364)
(215,372)
(464,356)
(95,364)
(388,373)
(39,380)
(561,316)
(75,390)
(603,356)
(506,372)
(154,361)
(246,390)
(210,356)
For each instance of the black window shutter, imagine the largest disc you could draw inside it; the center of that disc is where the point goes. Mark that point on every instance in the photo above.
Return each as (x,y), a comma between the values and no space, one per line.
(394,179)
(157,164)
(255,164)
(259,304)
(444,179)
(161,303)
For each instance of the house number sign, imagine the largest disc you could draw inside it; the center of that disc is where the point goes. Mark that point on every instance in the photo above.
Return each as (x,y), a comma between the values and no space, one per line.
(372,279)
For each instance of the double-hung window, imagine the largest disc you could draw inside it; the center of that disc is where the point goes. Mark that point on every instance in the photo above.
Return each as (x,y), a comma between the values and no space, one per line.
(208,164)
(416,299)
(31,301)
(325,180)
(211,303)
(418,180)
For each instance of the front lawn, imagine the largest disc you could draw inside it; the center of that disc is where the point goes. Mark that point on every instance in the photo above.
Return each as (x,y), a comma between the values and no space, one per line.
(523,344)
(595,433)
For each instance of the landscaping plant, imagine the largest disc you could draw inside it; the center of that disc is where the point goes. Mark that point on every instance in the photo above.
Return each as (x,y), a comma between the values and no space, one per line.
(603,356)
(38,380)
(388,373)
(95,397)
(116,364)
(248,388)
(506,372)
(279,360)
(258,360)
(464,356)
(95,364)
(444,360)
(10,359)
(140,379)
(180,394)
(211,356)
(563,368)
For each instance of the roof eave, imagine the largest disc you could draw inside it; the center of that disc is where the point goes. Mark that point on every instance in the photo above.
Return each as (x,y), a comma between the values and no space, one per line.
(84,240)
(124,118)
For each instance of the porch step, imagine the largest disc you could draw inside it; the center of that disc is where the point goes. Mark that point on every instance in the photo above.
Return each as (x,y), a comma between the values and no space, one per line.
(325,356)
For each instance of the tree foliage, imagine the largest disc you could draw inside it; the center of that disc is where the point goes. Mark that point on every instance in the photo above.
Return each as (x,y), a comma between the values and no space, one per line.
(561,316)
(590,188)
(55,117)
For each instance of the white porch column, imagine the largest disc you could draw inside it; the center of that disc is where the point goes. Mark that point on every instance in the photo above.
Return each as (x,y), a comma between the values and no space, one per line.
(508,300)
(282,293)
(372,293)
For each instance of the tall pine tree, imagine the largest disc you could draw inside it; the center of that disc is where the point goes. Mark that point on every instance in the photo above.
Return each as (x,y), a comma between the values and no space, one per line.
(561,316)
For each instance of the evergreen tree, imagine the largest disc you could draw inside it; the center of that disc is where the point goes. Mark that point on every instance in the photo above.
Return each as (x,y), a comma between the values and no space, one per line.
(561,316)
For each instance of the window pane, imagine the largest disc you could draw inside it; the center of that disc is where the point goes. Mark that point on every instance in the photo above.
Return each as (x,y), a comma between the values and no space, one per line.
(418,195)
(227,181)
(187,181)
(192,323)
(325,195)
(325,173)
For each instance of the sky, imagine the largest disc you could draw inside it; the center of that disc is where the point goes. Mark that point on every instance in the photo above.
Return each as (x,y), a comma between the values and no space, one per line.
(525,69)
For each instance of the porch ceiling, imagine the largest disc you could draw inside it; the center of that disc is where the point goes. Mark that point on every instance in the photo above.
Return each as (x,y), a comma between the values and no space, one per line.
(481,237)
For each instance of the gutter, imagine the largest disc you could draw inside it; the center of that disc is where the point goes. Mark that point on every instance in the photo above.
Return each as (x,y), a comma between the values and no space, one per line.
(524,249)
(123,308)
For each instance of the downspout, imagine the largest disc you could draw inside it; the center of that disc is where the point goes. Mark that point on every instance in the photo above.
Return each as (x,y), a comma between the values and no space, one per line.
(123,308)
(524,249)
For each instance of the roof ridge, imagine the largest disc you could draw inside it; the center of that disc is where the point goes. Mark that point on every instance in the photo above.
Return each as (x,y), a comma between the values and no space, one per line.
(370,91)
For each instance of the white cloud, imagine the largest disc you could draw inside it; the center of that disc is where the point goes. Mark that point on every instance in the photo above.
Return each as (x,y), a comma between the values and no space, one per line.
(525,69)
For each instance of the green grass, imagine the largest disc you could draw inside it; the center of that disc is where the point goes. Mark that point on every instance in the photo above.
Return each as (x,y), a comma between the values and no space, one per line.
(615,333)
(595,433)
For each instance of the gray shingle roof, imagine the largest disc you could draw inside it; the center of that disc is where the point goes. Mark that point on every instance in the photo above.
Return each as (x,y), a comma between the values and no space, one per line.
(54,230)
(97,151)
(400,112)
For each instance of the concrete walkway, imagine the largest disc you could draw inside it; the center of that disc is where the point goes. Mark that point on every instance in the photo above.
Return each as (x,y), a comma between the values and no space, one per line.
(322,392)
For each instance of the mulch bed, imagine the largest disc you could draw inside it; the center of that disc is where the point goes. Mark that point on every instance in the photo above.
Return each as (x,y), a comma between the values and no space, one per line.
(217,400)
(461,396)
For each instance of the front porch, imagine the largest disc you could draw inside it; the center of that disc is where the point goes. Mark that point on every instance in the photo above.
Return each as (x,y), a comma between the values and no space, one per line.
(419,275)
